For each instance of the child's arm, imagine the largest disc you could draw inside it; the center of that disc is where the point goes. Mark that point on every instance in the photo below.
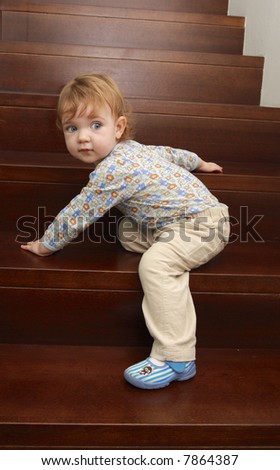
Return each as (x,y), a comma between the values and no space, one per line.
(189,160)
(94,200)
(208,167)
(37,248)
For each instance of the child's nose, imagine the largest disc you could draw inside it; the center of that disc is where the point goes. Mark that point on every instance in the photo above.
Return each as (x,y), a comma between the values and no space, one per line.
(83,135)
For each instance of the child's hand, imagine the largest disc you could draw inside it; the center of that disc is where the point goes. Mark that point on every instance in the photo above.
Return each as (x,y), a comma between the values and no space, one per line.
(209,167)
(37,248)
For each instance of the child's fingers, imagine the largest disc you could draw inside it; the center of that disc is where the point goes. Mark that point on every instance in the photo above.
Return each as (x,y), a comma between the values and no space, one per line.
(28,247)
(25,247)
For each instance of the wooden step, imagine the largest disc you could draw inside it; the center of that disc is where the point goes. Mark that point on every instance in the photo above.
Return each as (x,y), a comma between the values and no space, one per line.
(51,197)
(65,397)
(201,6)
(216,132)
(157,55)
(78,317)
(67,306)
(148,106)
(116,27)
(114,11)
(61,168)
(223,140)
(196,79)
(238,269)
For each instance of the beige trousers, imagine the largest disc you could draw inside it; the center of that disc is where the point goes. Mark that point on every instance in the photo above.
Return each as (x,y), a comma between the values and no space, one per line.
(169,254)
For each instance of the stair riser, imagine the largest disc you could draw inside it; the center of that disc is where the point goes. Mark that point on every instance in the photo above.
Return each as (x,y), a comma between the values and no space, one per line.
(110,318)
(38,170)
(218,7)
(119,32)
(32,207)
(80,309)
(187,82)
(213,138)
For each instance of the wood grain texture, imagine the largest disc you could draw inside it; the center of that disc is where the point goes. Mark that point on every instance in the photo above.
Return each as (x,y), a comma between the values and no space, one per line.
(200,6)
(45,407)
(128,29)
(71,323)
(139,78)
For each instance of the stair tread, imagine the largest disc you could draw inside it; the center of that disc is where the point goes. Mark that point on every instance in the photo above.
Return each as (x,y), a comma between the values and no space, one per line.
(127,13)
(65,388)
(75,258)
(33,366)
(237,269)
(54,385)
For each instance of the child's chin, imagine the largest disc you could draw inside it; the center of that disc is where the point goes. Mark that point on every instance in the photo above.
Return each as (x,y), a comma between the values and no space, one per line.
(85,158)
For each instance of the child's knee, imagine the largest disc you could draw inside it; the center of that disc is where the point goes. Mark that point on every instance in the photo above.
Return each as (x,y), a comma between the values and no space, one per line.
(152,265)
(145,265)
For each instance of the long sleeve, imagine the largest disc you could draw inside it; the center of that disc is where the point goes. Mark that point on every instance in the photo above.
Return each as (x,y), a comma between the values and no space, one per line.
(152,185)
(181,157)
(104,190)
(70,221)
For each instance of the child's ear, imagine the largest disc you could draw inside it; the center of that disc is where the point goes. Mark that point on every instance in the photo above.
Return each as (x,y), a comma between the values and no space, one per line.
(120,126)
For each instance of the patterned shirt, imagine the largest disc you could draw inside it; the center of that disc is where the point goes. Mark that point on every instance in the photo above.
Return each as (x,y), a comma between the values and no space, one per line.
(151,184)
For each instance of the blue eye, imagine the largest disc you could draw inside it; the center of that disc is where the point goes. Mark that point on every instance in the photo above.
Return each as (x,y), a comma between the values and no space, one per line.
(71,129)
(96,125)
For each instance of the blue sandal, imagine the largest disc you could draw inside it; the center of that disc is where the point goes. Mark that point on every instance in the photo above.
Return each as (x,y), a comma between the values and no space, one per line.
(147,375)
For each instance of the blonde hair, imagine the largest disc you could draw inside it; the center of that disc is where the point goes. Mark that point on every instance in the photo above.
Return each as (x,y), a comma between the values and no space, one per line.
(94,89)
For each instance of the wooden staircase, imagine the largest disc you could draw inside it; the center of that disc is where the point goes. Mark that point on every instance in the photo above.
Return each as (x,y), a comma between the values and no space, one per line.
(70,324)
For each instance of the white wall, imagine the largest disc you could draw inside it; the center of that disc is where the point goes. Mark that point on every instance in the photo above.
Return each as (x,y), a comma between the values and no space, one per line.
(262,38)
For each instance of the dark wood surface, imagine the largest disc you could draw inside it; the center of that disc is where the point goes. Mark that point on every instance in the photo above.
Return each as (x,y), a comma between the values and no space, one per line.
(247,141)
(200,6)
(25,69)
(116,11)
(18,165)
(89,317)
(126,28)
(71,323)
(69,397)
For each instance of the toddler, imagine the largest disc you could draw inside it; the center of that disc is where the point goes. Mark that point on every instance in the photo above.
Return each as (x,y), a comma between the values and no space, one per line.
(169,216)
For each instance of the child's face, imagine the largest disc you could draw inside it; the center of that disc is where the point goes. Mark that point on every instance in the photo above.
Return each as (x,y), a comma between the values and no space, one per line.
(90,137)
